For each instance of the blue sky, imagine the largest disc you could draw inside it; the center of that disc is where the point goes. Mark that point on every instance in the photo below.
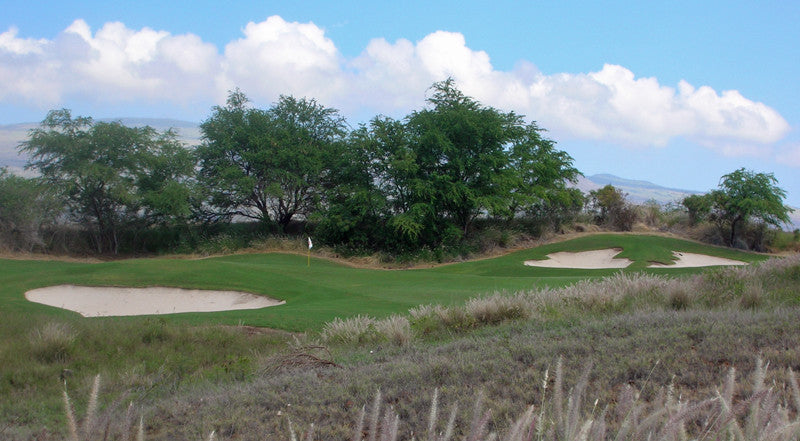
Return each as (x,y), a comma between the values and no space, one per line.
(677,93)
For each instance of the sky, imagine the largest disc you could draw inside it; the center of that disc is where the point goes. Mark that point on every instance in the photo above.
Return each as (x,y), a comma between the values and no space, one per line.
(678,93)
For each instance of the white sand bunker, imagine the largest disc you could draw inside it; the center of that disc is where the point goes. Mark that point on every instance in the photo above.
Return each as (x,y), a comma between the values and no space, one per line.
(691,260)
(108,301)
(595,259)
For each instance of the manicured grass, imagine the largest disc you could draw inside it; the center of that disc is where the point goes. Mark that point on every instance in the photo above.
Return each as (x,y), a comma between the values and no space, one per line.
(318,293)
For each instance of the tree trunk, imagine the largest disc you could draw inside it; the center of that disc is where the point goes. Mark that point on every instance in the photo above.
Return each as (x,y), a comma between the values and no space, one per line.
(733,231)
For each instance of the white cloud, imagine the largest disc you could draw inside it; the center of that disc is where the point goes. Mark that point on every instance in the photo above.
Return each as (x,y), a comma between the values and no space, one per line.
(11,44)
(609,105)
(121,65)
(115,64)
(278,57)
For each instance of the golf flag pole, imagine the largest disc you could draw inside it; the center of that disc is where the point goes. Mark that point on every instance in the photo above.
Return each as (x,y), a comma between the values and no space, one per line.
(310,245)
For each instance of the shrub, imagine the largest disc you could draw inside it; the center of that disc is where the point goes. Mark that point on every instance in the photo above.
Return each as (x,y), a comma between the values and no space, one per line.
(363,329)
(497,308)
(53,342)
(679,298)
(395,329)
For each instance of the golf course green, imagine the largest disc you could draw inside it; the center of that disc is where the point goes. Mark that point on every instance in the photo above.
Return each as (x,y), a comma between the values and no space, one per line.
(325,289)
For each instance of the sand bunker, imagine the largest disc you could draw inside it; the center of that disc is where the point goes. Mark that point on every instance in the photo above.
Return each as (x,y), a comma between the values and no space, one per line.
(691,260)
(108,301)
(598,259)
(595,259)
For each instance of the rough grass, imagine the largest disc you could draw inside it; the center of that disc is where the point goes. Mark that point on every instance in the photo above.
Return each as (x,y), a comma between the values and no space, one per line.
(645,353)
(140,358)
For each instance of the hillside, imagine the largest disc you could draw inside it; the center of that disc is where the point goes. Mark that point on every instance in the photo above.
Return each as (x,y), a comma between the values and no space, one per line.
(638,191)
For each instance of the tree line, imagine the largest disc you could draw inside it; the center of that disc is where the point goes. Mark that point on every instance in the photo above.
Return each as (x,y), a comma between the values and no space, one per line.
(426,181)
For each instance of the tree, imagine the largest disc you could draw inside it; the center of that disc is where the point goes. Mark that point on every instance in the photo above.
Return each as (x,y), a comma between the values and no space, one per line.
(112,177)
(26,206)
(540,177)
(461,157)
(306,140)
(426,178)
(743,195)
(611,208)
(270,164)
(355,211)
(698,207)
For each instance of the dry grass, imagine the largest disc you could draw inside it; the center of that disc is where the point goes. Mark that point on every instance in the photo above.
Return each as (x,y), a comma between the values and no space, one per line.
(566,415)
(764,415)
(52,342)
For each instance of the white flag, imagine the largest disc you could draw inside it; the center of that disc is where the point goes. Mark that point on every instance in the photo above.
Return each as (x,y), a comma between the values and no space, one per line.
(310,245)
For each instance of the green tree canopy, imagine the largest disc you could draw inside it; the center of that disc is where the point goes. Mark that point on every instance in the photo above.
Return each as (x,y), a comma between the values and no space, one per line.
(426,178)
(111,176)
(268,164)
(698,207)
(26,206)
(462,156)
(611,208)
(743,195)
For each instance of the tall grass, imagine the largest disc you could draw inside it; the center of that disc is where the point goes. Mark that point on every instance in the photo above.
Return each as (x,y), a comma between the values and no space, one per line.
(565,415)
(764,415)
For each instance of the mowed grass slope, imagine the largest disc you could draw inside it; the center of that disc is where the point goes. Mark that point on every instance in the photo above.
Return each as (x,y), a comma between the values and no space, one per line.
(326,289)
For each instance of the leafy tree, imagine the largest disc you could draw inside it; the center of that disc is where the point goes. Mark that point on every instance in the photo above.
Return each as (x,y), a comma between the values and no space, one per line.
(426,178)
(232,173)
(698,206)
(26,206)
(112,177)
(306,140)
(611,208)
(743,195)
(461,158)
(355,211)
(268,164)
(540,177)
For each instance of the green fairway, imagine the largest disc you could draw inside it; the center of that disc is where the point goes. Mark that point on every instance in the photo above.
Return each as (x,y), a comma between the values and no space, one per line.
(324,290)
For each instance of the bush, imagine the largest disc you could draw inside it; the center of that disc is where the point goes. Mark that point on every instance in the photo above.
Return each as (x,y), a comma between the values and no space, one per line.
(362,329)
(53,342)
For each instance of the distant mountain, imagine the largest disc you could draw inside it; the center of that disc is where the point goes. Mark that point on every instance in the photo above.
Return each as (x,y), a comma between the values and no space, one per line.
(638,191)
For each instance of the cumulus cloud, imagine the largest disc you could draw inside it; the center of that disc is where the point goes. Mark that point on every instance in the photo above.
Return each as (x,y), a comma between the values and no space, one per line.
(278,57)
(119,64)
(113,64)
(610,104)
(19,46)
